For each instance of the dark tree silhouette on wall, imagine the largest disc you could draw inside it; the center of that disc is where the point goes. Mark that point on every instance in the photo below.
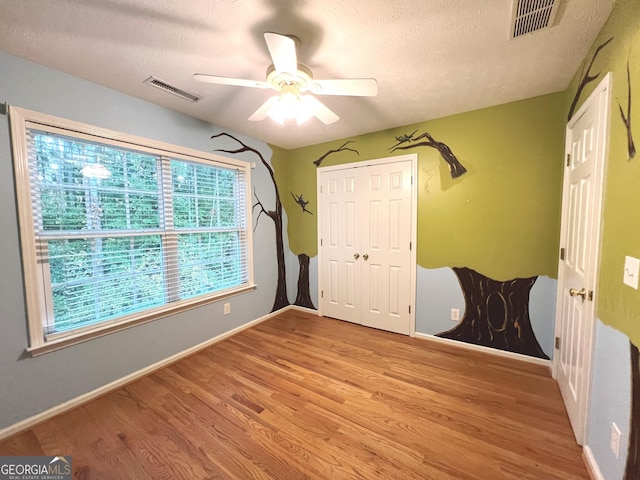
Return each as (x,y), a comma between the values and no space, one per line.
(496,314)
(275,215)
(303,298)
(585,79)
(406,142)
(627,118)
(341,148)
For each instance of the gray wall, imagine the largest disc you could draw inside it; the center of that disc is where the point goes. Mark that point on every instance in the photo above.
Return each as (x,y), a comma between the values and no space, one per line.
(31,385)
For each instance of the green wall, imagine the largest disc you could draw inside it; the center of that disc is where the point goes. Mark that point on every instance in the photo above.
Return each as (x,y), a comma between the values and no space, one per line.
(618,304)
(501,218)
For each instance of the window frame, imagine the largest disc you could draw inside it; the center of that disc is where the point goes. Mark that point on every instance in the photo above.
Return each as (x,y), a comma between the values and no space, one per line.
(21,120)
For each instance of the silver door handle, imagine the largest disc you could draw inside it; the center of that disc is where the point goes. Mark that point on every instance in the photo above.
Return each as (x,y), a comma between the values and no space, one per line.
(365,256)
(356,256)
(578,293)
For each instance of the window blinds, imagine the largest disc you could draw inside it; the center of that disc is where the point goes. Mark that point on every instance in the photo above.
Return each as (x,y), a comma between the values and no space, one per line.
(120,231)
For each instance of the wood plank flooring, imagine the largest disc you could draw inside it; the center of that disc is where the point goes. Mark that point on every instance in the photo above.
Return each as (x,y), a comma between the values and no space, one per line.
(305,397)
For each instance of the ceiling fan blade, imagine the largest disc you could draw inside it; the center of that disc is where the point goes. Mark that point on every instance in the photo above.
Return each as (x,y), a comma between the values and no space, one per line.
(237,82)
(322,112)
(283,52)
(263,111)
(358,87)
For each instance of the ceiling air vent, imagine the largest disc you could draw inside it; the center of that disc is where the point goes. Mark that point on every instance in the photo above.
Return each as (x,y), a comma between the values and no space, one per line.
(162,85)
(532,15)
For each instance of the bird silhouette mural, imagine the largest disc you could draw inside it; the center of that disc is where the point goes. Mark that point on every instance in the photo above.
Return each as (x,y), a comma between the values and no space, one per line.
(302,202)
(403,139)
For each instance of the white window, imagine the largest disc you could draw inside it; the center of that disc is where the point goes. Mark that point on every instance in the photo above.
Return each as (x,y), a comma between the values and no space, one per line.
(117,230)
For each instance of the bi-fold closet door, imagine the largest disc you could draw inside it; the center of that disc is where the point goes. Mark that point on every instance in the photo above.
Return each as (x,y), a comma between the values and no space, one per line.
(366,241)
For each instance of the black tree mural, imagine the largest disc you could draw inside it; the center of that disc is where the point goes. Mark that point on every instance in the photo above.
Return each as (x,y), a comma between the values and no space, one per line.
(275,215)
(303,298)
(585,79)
(627,118)
(632,470)
(496,314)
(406,142)
(341,148)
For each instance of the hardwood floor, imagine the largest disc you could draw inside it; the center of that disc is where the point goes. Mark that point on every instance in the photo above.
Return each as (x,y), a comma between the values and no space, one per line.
(300,396)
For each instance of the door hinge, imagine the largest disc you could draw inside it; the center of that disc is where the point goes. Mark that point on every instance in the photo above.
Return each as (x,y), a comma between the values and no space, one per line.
(557,343)
(410,245)
(568,159)
(320,188)
(321,293)
(409,309)
(320,242)
(562,253)
(411,179)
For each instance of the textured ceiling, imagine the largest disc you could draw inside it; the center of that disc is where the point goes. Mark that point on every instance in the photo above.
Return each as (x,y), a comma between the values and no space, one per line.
(431,58)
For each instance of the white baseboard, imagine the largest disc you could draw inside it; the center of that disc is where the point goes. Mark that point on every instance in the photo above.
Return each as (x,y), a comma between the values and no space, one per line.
(302,309)
(479,348)
(98,392)
(592,465)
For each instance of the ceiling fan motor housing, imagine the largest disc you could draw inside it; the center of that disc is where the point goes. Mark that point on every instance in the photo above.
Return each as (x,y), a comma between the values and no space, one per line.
(302,78)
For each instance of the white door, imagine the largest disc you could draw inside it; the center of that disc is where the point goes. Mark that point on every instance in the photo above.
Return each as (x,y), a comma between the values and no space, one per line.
(340,262)
(367,263)
(386,247)
(577,271)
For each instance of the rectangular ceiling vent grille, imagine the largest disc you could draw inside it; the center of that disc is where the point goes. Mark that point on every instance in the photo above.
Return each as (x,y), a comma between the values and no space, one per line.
(532,15)
(162,85)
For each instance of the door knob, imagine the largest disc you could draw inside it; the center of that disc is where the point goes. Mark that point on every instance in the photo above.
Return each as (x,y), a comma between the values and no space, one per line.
(356,256)
(365,256)
(578,293)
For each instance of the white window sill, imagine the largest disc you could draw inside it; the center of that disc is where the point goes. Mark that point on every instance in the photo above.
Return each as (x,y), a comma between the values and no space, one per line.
(101,330)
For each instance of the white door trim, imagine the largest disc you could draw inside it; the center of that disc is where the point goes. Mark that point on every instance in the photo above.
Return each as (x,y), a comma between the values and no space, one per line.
(413,158)
(601,94)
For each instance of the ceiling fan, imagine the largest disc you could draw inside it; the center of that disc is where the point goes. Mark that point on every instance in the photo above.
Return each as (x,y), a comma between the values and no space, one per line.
(295,84)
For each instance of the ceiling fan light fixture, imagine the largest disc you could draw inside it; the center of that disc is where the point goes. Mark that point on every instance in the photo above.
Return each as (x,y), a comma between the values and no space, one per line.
(290,106)
(306,109)
(275,113)
(292,79)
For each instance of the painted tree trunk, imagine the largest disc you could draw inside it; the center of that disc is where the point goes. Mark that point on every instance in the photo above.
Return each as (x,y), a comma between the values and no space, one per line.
(281,299)
(632,471)
(303,299)
(496,314)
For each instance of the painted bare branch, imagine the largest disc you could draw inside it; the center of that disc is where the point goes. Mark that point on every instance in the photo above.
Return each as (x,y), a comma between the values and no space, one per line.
(281,300)
(455,167)
(341,148)
(587,78)
(631,148)
(262,209)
